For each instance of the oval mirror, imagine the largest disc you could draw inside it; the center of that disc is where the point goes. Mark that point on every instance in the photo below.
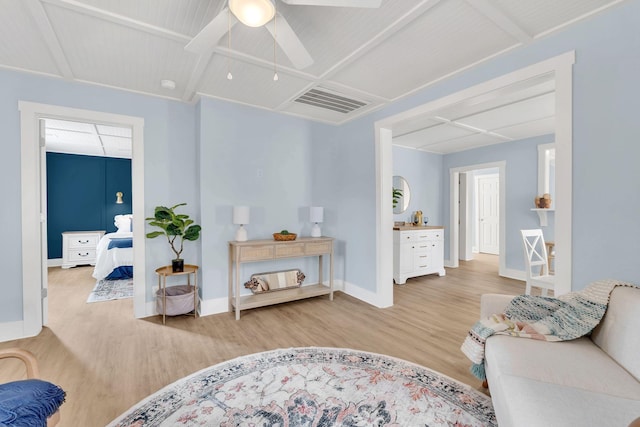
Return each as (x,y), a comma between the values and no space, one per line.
(401,194)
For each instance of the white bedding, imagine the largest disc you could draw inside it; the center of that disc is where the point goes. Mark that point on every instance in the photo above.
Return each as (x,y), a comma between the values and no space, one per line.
(108,260)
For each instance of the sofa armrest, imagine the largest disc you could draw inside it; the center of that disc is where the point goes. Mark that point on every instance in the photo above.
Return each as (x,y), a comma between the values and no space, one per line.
(493,304)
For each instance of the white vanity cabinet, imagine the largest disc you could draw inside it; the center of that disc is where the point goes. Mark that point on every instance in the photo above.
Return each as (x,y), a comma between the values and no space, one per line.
(417,251)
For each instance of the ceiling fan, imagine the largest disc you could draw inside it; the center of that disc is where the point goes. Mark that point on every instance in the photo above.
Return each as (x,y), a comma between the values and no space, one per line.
(257,13)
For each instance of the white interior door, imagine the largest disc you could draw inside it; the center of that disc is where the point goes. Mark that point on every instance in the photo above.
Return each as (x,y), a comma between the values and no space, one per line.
(488,214)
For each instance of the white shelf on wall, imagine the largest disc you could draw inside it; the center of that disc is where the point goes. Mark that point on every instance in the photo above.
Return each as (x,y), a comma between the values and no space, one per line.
(542,213)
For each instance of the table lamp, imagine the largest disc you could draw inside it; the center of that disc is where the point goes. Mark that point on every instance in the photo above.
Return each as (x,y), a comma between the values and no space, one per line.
(316,214)
(241,218)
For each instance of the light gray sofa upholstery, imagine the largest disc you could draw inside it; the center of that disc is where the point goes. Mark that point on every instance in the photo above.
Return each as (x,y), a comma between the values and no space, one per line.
(590,381)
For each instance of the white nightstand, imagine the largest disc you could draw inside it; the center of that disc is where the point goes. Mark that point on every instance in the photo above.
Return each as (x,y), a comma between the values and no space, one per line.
(79,247)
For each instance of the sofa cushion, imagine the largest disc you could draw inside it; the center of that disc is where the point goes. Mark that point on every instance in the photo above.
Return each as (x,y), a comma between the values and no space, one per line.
(578,363)
(618,333)
(520,401)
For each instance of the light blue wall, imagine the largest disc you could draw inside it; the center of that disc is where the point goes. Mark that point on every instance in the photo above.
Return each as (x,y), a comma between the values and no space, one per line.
(260,159)
(521,176)
(423,172)
(170,163)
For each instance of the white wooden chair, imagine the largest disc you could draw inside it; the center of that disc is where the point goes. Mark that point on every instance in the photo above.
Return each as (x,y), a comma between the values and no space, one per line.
(536,262)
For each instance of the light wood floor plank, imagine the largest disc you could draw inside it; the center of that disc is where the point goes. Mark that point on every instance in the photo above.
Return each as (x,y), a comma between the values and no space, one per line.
(107,361)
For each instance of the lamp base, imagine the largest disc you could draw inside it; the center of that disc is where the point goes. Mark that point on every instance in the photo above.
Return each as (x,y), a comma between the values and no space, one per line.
(241,234)
(315,230)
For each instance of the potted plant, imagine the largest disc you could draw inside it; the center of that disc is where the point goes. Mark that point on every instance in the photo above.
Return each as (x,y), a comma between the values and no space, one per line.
(397,194)
(175,227)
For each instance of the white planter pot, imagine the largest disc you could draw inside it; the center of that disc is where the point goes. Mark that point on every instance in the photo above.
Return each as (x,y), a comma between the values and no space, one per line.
(179,300)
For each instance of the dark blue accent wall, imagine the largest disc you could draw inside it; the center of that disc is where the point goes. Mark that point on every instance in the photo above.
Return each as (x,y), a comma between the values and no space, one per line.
(81,195)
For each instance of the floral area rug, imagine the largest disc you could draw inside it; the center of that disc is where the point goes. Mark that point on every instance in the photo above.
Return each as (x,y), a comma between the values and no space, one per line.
(313,387)
(106,290)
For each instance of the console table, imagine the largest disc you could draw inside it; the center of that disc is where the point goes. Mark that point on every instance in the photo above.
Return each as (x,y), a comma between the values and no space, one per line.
(264,250)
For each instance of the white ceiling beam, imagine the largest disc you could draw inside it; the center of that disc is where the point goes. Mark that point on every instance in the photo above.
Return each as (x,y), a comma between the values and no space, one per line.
(502,20)
(196,76)
(50,37)
(85,9)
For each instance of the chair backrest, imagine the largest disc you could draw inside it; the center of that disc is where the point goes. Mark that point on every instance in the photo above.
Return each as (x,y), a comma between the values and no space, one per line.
(535,253)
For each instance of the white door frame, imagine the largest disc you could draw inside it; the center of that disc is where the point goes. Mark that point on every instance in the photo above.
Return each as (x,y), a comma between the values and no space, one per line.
(454,214)
(562,68)
(30,114)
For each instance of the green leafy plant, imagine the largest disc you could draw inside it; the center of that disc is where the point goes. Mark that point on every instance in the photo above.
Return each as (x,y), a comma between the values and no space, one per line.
(173,226)
(284,232)
(397,194)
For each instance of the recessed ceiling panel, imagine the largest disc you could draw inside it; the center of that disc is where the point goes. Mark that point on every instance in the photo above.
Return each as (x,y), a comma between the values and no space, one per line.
(538,16)
(21,44)
(413,125)
(447,38)
(182,16)
(115,55)
(114,131)
(438,133)
(509,115)
(251,84)
(530,129)
(461,144)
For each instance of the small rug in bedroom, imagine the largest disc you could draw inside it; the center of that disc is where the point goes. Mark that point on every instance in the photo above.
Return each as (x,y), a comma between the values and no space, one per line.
(106,290)
(313,387)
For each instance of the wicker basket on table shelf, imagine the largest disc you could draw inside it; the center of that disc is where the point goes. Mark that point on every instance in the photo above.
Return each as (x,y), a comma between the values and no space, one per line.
(284,237)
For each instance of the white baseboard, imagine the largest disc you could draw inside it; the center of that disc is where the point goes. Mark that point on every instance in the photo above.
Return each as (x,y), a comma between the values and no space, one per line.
(214,306)
(514,274)
(364,295)
(448,263)
(54,262)
(11,331)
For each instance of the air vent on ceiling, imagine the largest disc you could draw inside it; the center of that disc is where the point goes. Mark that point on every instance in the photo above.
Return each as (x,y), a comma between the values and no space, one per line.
(322,98)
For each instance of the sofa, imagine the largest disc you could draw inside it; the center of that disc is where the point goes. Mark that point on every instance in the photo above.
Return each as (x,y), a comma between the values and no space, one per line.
(589,381)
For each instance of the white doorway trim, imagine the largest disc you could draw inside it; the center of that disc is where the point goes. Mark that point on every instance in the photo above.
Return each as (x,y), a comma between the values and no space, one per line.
(30,114)
(562,67)
(454,212)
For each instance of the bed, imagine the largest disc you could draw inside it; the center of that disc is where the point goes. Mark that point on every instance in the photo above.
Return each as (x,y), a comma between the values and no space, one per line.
(114,253)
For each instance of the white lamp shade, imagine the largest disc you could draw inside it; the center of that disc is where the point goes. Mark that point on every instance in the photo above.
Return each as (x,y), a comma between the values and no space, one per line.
(241,214)
(253,13)
(316,214)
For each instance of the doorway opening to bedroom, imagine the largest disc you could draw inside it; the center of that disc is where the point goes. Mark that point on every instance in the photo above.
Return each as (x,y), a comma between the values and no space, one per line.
(34,206)
(88,188)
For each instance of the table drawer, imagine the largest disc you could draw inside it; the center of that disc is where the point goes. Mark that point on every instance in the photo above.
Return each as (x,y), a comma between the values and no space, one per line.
(289,250)
(84,241)
(256,253)
(82,255)
(317,248)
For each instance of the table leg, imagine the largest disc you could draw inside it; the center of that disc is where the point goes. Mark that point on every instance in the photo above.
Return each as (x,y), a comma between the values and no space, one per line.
(195,294)
(331,274)
(320,278)
(230,295)
(237,278)
(164,299)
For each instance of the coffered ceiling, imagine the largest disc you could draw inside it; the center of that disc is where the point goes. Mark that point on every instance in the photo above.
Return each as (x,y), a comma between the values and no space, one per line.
(370,56)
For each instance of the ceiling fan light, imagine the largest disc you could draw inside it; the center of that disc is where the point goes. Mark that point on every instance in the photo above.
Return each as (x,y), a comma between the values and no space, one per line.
(253,13)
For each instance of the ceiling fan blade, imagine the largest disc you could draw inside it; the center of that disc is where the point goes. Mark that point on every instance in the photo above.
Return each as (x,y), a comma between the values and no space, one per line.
(335,3)
(288,40)
(206,40)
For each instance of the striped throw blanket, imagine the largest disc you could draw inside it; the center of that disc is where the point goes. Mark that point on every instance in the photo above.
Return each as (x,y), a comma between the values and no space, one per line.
(567,317)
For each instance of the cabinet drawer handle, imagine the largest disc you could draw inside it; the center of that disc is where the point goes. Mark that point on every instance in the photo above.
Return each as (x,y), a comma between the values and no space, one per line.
(423,237)
(82,242)
(423,256)
(423,266)
(424,246)
(84,254)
